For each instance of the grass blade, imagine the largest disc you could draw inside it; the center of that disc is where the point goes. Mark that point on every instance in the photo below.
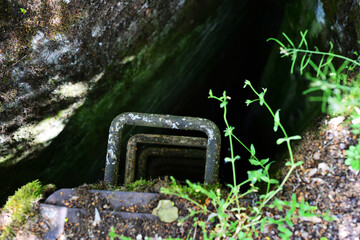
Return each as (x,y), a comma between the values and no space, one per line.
(287,38)
(303,39)
(277,41)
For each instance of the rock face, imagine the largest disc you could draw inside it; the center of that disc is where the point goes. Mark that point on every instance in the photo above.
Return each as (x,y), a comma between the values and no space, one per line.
(54,52)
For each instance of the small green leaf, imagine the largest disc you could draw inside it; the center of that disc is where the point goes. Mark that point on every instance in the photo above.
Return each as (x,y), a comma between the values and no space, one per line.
(248,101)
(223,104)
(254,162)
(298,163)
(224,97)
(289,222)
(229,131)
(276,120)
(254,175)
(283,229)
(227,159)
(288,163)
(278,204)
(23,11)
(274,181)
(264,161)
(265,179)
(328,217)
(247,82)
(287,38)
(266,169)
(210,93)
(262,97)
(281,140)
(355,164)
(252,150)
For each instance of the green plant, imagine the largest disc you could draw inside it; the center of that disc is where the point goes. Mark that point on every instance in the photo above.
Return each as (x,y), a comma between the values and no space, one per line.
(339,85)
(353,156)
(234,220)
(23,11)
(113,235)
(139,185)
(20,205)
(190,192)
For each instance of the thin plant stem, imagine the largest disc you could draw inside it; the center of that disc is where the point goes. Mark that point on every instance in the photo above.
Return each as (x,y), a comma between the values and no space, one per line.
(295,50)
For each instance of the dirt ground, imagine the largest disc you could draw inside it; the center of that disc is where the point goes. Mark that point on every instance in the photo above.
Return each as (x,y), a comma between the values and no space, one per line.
(326,182)
(323,181)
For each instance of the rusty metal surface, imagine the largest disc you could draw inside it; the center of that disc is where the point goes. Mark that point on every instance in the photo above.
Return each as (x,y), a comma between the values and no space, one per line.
(162,121)
(155,139)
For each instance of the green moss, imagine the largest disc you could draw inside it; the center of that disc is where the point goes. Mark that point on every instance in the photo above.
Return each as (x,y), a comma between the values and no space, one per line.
(21,205)
(140,185)
(155,185)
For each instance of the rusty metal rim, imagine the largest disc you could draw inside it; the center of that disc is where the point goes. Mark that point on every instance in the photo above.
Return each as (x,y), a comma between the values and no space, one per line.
(162,121)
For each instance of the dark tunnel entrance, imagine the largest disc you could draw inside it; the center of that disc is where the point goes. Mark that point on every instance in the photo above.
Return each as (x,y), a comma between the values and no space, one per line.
(243,57)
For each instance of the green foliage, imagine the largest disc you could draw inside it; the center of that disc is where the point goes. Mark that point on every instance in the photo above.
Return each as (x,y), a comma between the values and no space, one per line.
(353,157)
(113,235)
(234,220)
(189,191)
(23,11)
(20,205)
(338,82)
(139,185)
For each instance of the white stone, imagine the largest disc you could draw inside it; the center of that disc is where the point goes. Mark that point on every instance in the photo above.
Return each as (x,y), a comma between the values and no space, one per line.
(336,121)
(97,217)
(323,168)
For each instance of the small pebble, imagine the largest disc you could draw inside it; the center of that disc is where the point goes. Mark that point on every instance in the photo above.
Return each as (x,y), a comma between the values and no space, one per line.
(305,234)
(342,146)
(336,121)
(313,219)
(316,156)
(312,172)
(323,168)
(330,136)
